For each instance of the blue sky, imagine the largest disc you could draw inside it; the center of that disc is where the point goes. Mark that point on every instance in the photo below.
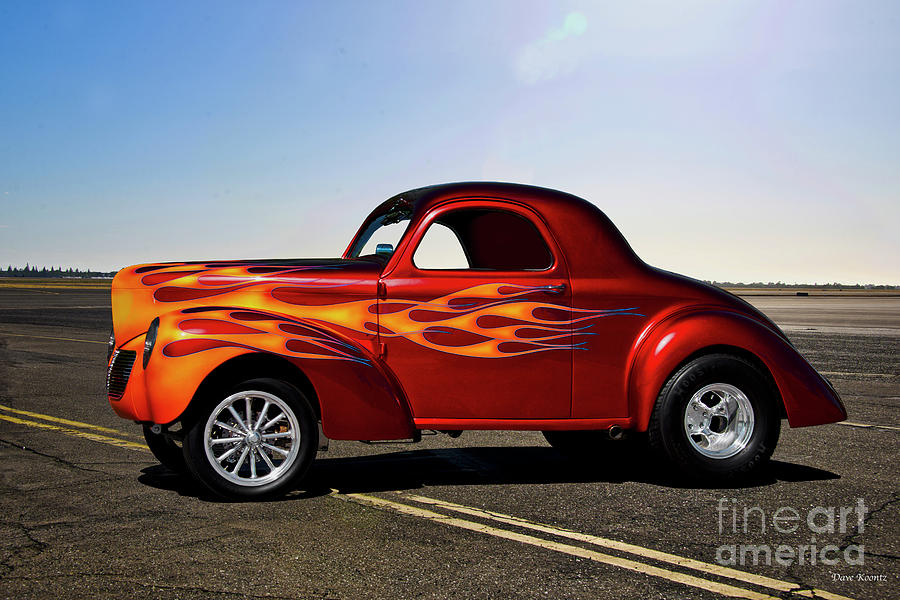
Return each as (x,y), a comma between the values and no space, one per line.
(738,141)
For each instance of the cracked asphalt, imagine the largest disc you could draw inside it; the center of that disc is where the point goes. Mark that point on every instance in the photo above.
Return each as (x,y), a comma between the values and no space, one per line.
(82,518)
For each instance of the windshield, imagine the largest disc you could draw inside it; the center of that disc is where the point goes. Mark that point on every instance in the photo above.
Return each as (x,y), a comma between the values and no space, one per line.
(384,231)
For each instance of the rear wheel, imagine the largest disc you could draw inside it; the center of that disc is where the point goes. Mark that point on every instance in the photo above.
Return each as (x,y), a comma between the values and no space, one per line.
(256,441)
(716,417)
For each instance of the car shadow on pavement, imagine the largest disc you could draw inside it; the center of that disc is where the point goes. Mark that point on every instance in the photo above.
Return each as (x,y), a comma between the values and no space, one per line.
(522,465)
(398,471)
(163,478)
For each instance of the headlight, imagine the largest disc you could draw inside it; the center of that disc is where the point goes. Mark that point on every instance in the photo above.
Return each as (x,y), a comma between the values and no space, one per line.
(150,340)
(110,345)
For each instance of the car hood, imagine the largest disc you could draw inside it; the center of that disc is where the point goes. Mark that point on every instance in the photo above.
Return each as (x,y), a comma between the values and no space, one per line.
(142,292)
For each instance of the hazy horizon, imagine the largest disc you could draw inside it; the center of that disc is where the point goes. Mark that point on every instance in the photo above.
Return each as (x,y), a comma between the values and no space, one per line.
(763,282)
(741,141)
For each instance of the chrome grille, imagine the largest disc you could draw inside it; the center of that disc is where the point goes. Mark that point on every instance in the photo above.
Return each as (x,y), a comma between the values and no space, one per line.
(118,373)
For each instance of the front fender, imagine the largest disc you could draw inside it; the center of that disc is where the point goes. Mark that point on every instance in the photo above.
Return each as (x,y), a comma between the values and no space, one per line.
(808,398)
(358,397)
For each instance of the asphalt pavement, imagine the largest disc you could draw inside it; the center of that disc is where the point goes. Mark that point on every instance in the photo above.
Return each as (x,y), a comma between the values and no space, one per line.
(88,513)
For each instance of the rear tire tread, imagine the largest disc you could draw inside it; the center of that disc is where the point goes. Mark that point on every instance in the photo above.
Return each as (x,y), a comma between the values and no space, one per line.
(665,431)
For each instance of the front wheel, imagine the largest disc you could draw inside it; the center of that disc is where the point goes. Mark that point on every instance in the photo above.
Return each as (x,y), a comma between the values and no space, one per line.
(166,450)
(255,442)
(716,417)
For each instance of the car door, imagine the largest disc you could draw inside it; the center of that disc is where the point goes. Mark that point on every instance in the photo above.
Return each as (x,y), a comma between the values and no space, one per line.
(474,318)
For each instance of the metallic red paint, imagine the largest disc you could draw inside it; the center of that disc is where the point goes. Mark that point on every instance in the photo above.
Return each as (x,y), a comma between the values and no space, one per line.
(389,348)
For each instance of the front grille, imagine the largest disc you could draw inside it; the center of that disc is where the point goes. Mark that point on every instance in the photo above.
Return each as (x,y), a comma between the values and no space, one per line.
(118,373)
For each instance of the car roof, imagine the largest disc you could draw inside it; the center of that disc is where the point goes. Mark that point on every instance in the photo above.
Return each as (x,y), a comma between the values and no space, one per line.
(592,243)
(424,198)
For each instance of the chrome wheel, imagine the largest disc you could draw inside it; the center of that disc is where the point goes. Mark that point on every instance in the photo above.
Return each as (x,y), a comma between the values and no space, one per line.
(718,420)
(252,438)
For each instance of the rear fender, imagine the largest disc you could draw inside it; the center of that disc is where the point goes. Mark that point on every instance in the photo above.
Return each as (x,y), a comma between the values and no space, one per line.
(358,397)
(807,397)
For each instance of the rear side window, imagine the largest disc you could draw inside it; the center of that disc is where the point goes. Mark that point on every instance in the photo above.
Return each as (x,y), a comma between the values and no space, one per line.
(483,239)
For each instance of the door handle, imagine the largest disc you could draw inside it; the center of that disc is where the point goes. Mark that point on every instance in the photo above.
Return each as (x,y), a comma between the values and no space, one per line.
(552,289)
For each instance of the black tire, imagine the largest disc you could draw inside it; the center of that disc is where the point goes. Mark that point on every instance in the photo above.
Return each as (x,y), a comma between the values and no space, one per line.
(166,450)
(692,399)
(273,473)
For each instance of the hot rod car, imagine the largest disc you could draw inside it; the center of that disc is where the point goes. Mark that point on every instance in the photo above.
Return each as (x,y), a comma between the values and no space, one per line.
(455,307)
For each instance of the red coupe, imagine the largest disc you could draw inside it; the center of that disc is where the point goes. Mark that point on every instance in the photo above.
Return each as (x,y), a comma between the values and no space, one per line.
(455,307)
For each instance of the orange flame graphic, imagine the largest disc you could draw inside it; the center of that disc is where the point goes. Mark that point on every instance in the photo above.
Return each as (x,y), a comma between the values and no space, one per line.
(494,320)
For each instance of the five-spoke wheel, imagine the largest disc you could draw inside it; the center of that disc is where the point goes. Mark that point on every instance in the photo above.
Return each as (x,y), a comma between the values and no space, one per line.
(719,420)
(717,416)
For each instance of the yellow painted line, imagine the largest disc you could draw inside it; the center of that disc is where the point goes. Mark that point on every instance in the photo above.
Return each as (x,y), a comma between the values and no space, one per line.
(674,559)
(608,559)
(867,425)
(94,437)
(60,420)
(47,337)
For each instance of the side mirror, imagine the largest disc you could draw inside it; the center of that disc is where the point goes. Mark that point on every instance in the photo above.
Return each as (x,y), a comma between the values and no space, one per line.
(384,249)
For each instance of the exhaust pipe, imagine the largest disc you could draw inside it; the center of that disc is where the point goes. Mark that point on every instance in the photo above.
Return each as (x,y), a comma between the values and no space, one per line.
(615,432)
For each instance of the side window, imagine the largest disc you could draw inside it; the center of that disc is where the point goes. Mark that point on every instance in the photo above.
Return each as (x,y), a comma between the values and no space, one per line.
(483,239)
(440,249)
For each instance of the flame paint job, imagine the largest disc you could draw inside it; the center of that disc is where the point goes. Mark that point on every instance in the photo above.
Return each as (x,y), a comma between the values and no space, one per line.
(495,320)
(271,333)
(388,348)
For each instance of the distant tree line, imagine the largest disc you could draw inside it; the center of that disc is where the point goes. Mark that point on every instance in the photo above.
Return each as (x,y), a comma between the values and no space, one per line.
(32,271)
(819,286)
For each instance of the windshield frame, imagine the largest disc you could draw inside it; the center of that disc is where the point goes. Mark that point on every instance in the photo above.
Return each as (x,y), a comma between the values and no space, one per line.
(395,210)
